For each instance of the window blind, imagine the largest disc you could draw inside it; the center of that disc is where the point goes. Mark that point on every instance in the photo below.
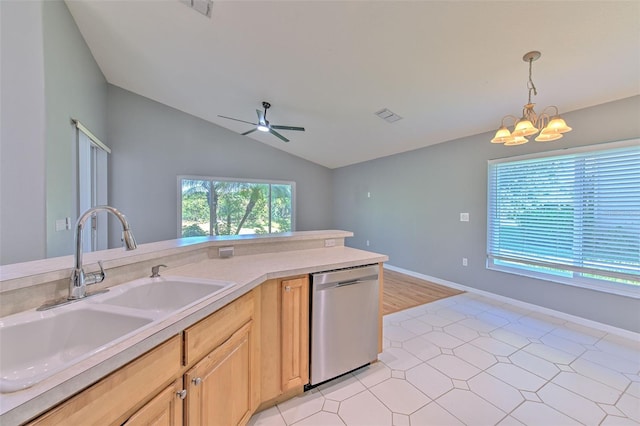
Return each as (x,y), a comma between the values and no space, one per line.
(576,214)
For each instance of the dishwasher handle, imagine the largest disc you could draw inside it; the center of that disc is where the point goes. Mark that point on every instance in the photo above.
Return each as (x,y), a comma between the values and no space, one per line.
(352,282)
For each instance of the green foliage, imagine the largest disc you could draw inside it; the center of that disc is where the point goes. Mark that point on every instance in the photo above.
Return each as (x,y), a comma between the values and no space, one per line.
(237,207)
(195,207)
(193,230)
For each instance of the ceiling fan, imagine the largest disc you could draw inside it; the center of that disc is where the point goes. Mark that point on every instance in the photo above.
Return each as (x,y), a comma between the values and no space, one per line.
(263,124)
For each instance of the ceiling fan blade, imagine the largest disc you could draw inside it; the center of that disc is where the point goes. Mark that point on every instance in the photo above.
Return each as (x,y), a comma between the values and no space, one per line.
(235,119)
(250,131)
(273,132)
(299,129)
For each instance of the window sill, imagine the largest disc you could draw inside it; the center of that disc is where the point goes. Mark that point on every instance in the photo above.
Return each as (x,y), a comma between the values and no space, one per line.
(611,288)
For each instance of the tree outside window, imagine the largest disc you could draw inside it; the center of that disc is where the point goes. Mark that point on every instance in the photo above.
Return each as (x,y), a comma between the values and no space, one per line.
(213,206)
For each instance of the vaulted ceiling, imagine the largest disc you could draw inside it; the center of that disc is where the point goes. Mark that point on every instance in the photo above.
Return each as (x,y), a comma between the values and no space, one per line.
(449,68)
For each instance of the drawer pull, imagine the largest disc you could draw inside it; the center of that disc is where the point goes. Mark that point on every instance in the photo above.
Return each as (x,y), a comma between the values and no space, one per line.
(182,394)
(197,381)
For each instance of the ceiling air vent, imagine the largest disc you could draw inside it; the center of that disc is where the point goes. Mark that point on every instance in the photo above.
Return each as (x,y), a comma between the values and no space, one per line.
(202,6)
(388,116)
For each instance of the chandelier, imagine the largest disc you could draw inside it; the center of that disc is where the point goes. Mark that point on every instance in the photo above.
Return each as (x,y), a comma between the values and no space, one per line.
(553,126)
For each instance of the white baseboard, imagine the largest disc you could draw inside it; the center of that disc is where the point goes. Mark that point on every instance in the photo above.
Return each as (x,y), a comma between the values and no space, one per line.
(558,314)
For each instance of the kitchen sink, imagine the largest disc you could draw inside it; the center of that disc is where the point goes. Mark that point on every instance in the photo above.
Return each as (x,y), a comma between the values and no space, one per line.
(37,344)
(31,350)
(164,294)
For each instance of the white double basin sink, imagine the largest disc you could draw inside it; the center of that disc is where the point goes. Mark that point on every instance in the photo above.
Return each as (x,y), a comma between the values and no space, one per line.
(35,345)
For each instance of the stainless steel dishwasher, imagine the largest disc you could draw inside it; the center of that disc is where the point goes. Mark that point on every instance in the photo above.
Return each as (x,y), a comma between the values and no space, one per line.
(344,321)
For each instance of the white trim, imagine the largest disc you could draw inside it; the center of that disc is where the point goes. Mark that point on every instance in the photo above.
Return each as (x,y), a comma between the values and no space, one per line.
(91,136)
(568,151)
(609,287)
(628,334)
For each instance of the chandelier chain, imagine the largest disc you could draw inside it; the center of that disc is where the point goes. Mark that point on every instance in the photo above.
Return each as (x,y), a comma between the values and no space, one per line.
(530,84)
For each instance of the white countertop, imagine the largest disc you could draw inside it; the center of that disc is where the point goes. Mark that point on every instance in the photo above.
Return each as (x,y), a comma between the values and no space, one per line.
(246,271)
(15,276)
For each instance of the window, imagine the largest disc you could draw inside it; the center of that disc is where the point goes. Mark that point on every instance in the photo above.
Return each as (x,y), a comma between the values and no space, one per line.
(92,186)
(215,206)
(570,216)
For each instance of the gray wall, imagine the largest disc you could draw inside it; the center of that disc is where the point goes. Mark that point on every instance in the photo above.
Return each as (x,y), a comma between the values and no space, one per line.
(48,76)
(74,88)
(22,130)
(152,144)
(417,197)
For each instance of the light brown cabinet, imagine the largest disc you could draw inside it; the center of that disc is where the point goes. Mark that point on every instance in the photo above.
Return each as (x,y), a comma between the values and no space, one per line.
(163,410)
(284,337)
(294,324)
(219,386)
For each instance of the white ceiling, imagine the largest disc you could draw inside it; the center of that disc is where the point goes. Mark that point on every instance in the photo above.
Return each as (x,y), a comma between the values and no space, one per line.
(450,68)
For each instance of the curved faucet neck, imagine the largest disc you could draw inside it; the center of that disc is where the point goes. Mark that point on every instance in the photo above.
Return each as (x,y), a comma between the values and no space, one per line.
(78,276)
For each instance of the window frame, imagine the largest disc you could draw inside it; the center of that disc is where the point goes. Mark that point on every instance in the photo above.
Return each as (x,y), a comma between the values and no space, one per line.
(573,278)
(180,178)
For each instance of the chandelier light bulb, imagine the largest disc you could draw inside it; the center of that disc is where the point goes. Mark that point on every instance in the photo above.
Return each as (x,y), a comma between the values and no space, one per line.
(502,135)
(518,140)
(558,125)
(524,127)
(547,136)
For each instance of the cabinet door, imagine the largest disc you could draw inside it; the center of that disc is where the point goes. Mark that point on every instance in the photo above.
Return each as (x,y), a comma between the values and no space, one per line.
(113,399)
(294,318)
(219,386)
(270,342)
(163,410)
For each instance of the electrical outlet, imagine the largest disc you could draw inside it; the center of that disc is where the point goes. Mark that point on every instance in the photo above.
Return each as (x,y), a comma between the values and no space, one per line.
(225,252)
(61,225)
(367,243)
(465,261)
(464,217)
(330,243)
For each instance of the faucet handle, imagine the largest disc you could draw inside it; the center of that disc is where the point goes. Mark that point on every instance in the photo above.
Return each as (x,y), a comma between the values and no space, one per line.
(95,277)
(155,270)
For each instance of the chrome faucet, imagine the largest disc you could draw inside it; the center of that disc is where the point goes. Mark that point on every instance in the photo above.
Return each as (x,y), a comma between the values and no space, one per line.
(79,280)
(155,271)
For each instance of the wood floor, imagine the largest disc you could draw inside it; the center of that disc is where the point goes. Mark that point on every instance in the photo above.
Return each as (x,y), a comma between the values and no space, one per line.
(403,291)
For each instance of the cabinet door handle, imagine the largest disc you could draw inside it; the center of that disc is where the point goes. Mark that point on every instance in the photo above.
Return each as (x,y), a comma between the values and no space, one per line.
(197,381)
(287,288)
(182,394)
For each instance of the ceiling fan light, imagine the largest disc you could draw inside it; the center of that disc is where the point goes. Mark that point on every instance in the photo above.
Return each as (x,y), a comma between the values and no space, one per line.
(524,127)
(518,140)
(502,135)
(263,128)
(558,125)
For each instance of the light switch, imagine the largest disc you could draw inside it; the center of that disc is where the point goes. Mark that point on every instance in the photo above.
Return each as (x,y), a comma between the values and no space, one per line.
(464,217)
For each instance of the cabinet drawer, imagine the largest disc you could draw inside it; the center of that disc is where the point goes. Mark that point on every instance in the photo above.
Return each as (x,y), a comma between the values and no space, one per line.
(202,337)
(114,398)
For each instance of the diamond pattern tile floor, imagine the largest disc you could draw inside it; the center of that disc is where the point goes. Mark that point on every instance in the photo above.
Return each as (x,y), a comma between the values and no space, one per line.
(472,360)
